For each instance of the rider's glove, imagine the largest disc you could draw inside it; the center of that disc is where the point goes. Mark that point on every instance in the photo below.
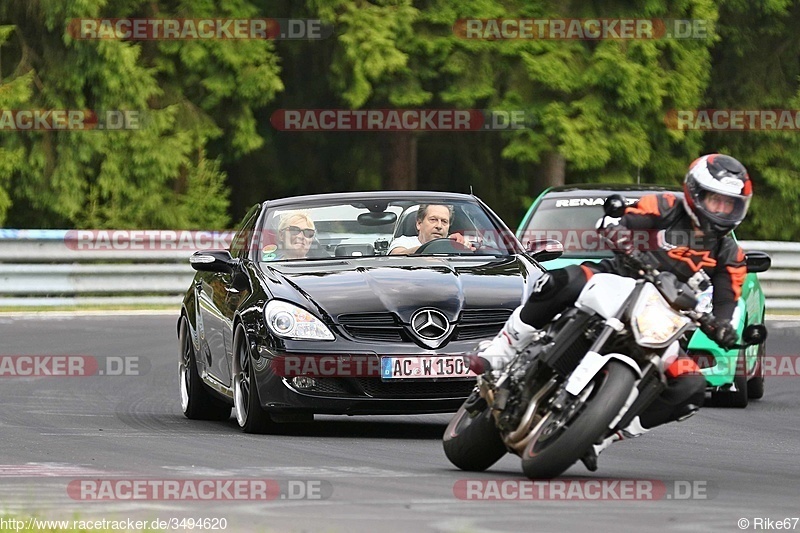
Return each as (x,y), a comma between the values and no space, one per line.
(642,259)
(726,336)
(620,238)
(723,333)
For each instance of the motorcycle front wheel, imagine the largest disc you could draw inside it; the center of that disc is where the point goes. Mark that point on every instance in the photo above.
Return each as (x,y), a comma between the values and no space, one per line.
(567,436)
(472,442)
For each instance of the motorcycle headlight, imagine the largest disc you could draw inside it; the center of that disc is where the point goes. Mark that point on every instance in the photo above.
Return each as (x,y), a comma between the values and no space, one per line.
(293,322)
(655,324)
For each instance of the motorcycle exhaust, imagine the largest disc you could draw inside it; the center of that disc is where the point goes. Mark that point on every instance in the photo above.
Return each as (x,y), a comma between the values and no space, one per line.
(512,440)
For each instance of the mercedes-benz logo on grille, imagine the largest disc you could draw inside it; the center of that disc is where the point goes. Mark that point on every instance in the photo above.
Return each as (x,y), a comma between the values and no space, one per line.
(430,324)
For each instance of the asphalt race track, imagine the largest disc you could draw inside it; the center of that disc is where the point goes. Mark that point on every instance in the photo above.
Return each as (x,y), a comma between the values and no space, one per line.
(66,439)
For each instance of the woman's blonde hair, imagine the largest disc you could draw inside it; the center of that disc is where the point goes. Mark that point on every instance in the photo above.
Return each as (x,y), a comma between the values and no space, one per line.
(290,219)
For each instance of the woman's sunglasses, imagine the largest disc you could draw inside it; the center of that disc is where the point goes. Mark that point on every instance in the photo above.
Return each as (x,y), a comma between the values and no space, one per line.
(307,233)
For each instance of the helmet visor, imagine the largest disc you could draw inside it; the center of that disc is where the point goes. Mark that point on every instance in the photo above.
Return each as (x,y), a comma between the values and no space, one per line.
(725,209)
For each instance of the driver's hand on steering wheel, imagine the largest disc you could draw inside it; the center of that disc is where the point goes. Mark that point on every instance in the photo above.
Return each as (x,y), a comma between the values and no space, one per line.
(461,240)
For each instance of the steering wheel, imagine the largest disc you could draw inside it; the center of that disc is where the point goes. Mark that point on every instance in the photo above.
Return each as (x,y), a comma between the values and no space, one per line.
(444,245)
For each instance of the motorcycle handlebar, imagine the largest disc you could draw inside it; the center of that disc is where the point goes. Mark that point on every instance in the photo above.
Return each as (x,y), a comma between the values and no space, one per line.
(620,244)
(708,325)
(641,262)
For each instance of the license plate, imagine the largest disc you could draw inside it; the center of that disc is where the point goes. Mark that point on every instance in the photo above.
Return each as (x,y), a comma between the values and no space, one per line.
(424,367)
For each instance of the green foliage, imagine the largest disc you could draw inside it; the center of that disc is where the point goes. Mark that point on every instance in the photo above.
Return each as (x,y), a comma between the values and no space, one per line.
(602,104)
(206,148)
(185,93)
(756,67)
(599,104)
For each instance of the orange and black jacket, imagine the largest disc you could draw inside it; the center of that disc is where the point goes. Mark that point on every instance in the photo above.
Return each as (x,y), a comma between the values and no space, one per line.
(660,225)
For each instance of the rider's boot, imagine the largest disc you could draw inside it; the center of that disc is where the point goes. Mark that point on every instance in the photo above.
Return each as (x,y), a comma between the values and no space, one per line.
(495,354)
(633,430)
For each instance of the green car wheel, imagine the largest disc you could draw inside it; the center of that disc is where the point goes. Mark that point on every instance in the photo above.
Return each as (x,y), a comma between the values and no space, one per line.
(736,395)
(755,387)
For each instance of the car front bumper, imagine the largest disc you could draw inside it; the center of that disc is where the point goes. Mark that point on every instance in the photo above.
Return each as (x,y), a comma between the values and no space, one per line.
(357,391)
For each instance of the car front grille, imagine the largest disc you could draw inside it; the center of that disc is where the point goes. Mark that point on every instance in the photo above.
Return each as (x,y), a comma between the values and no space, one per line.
(385,327)
(375,327)
(332,386)
(376,388)
(481,323)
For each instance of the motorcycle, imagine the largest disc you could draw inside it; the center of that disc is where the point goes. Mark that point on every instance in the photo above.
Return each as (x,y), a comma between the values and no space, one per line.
(590,372)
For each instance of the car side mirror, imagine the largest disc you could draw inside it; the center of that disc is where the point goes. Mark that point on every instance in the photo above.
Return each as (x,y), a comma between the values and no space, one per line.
(213,261)
(614,206)
(754,334)
(545,249)
(757,261)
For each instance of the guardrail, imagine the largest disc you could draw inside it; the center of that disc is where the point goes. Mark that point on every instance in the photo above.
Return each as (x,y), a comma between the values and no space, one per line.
(48,268)
(781,283)
(44,268)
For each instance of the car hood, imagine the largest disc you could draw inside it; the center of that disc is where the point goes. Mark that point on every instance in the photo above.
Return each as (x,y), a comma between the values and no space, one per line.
(402,285)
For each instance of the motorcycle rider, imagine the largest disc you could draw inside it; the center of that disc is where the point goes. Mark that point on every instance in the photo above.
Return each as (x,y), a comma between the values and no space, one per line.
(686,237)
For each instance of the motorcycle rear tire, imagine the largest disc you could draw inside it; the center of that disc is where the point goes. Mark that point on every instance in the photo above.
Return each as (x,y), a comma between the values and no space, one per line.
(550,457)
(473,443)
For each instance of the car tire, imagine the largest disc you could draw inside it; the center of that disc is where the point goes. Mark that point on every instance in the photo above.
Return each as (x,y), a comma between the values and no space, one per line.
(197,403)
(755,386)
(739,397)
(252,418)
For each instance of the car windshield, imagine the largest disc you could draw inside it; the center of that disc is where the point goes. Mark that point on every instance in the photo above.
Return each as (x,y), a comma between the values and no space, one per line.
(572,221)
(369,227)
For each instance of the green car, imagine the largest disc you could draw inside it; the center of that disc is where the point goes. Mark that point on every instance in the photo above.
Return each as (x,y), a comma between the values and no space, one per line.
(568,214)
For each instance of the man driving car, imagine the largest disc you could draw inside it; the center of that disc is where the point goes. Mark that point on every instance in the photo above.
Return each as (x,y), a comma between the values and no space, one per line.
(433,222)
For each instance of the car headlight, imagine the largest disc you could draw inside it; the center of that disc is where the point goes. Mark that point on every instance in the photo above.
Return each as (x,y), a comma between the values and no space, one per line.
(293,322)
(656,324)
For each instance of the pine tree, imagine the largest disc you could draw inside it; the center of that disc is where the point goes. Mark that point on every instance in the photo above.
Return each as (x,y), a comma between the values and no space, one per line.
(183,93)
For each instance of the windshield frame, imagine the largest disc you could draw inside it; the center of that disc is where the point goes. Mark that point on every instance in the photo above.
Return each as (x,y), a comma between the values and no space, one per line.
(574,236)
(374,241)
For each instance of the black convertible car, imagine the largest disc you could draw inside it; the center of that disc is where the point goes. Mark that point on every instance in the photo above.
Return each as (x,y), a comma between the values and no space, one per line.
(308,312)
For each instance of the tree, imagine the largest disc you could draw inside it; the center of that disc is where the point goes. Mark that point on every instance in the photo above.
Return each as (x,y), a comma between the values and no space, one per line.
(599,107)
(601,104)
(186,93)
(756,67)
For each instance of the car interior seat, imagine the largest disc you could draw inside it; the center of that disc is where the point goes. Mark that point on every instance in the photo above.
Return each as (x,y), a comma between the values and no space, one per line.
(407,226)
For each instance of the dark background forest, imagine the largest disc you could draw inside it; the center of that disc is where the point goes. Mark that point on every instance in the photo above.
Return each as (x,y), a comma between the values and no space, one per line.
(207,149)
